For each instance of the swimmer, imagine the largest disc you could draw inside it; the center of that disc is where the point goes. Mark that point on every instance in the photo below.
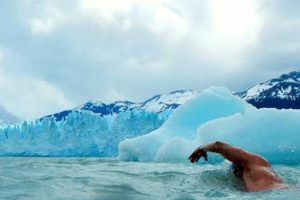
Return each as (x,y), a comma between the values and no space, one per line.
(255,170)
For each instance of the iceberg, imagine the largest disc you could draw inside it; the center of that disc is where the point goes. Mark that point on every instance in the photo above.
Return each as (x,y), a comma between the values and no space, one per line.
(273,133)
(218,115)
(176,137)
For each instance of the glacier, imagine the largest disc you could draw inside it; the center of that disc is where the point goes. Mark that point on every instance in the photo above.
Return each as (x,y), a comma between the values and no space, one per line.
(80,134)
(92,129)
(216,114)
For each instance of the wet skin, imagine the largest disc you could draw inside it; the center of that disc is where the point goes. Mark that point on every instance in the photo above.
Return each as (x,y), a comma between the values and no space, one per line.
(255,170)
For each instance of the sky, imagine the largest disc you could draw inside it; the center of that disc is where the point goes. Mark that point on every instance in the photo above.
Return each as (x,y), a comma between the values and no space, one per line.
(58,54)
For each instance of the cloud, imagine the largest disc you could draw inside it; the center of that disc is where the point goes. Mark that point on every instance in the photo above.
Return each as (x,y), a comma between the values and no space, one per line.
(278,44)
(1,56)
(157,16)
(133,49)
(48,23)
(29,97)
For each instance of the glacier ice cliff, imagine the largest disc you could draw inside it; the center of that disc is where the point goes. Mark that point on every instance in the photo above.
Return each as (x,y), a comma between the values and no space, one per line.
(80,134)
(218,115)
(92,129)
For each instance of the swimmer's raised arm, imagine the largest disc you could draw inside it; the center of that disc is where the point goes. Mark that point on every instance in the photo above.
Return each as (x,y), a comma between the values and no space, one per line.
(256,172)
(231,153)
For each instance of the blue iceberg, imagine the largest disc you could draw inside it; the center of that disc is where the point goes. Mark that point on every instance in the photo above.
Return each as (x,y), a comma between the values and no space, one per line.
(273,133)
(218,115)
(176,138)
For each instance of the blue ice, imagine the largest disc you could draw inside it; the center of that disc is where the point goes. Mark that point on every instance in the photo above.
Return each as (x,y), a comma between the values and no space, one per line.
(216,114)
(176,138)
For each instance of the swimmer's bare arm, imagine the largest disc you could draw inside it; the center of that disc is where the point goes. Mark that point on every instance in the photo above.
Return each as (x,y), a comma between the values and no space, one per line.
(233,154)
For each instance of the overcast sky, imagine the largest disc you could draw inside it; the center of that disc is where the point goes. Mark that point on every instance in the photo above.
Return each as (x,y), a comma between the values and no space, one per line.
(57,54)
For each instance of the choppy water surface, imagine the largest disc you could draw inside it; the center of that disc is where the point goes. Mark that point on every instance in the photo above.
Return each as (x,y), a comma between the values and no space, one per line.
(94,178)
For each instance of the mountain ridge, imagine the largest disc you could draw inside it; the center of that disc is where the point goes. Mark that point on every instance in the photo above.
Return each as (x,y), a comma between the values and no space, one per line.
(158,103)
(282,92)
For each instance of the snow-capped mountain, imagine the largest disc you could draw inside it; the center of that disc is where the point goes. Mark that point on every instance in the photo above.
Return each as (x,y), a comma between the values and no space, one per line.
(92,129)
(281,92)
(7,118)
(157,104)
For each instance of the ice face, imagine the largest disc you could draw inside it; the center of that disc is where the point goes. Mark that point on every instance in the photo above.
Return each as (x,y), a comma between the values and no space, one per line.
(217,115)
(176,138)
(81,134)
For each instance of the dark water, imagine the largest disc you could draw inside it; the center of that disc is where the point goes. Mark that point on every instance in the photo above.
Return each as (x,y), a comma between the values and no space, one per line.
(94,178)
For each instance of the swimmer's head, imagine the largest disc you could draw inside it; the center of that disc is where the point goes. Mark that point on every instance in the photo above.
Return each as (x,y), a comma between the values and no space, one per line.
(237,170)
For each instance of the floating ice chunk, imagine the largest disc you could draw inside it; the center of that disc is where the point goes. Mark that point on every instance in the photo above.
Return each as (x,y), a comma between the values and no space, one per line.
(174,140)
(273,133)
